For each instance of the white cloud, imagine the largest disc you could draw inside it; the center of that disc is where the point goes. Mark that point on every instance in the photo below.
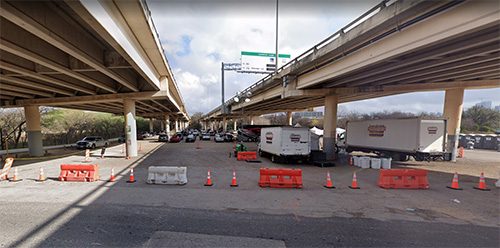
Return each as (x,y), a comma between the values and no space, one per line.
(219,30)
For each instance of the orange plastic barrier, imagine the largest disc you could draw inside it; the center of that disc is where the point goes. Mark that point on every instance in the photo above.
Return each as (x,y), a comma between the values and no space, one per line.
(79,173)
(403,179)
(280,178)
(246,155)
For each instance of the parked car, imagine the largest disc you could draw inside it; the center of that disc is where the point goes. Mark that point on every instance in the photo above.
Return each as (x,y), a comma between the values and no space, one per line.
(180,135)
(190,138)
(121,139)
(163,138)
(205,136)
(140,137)
(195,132)
(219,138)
(212,133)
(228,137)
(174,139)
(91,142)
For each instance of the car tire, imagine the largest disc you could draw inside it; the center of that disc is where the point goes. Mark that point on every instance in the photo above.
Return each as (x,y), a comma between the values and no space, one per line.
(93,146)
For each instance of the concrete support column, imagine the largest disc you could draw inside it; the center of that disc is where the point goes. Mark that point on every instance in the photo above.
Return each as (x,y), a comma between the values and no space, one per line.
(245,119)
(289,118)
(151,126)
(176,125)
(162,125)
(130,127)
(234,124)
(34,129)
(330,126)
(224,124)
(251,120)
(453,105)
(167,124)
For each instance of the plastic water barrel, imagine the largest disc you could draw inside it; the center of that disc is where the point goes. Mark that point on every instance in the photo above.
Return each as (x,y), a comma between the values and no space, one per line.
(375,163)
(386,163)
(365,162)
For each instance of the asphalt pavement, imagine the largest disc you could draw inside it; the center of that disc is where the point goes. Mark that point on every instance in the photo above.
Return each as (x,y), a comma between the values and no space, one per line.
(121,214)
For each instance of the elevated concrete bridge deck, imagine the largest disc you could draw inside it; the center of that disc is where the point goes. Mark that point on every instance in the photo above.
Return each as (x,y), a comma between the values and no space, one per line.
(395,48)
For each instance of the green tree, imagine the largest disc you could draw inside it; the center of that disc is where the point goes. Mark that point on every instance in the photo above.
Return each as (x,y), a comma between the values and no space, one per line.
(482,116)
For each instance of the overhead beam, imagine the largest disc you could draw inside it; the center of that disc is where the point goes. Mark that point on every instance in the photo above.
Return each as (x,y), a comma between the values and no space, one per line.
(93,98)
(26,83)
(24,53)
(24,90)
(29,24)
(26,72)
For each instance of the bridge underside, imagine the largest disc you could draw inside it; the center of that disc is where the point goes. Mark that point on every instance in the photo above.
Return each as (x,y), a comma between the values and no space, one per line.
(434,46)
(56,53)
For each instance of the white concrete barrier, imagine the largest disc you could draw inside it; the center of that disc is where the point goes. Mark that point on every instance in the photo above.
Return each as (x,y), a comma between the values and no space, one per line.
(167,175)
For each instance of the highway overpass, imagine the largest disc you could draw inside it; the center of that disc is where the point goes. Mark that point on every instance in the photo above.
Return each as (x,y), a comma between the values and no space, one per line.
(397,47)
(101,56)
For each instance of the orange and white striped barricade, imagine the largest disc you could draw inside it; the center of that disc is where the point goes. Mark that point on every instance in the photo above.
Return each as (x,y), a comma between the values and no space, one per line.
(4,175)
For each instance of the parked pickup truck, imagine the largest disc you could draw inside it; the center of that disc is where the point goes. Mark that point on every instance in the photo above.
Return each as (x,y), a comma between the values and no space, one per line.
(91,142)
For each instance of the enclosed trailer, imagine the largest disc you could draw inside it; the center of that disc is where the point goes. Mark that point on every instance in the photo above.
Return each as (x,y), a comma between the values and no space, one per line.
(285,144)
(399,138)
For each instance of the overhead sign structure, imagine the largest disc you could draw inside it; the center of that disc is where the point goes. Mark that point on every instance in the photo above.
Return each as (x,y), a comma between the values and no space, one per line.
(255,62)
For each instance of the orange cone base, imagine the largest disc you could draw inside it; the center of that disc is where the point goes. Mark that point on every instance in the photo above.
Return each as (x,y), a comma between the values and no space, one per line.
(351,187)
(332,187)
(234,185)
(128,158)
(454,188)
(208,185)
(38,180)
(481,189)
(132,181)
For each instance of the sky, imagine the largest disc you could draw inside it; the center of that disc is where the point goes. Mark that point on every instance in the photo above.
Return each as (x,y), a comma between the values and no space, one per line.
(197,36)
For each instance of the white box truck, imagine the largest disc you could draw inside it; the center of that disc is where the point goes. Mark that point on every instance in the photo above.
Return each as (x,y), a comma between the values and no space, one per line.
(285,144)
(422,138)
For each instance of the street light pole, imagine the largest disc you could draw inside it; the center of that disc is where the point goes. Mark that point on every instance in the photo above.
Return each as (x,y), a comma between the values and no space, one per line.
(222,110)
(276,59)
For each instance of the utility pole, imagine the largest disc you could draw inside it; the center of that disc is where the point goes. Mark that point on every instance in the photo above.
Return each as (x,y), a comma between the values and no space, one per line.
(276,59)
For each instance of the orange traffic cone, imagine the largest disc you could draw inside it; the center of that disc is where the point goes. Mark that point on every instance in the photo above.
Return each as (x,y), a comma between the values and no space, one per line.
(127,157)
(123,150)
(42,175)
(112,178)
(328,181)
(140,147)
(481,186)
(454,184)
(354,182)
(131,180)
(351,161)
(234,184)
(197,145)
(209,180)
(16,176)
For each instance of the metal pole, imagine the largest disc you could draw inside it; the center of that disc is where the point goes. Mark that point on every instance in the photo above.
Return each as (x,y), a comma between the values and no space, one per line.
(222,94)
(276,59)
(7,146)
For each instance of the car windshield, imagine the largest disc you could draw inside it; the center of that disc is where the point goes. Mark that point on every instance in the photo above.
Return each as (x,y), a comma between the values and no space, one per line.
(89,138)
